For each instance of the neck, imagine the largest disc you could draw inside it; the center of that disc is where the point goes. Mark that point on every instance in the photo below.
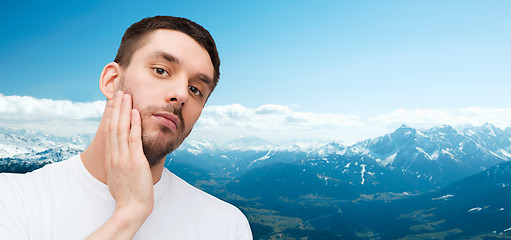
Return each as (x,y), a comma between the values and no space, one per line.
(93,158)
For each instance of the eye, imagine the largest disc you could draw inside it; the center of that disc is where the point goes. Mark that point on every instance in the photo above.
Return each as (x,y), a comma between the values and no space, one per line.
(160,71)
(194,90)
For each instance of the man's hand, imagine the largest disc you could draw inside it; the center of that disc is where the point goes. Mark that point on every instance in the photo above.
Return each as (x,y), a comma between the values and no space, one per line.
(129,176)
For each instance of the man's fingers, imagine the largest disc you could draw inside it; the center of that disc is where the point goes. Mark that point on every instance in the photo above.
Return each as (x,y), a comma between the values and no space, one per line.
(114,113)
(123,127)
(105,121)
(135,138)
(111,128)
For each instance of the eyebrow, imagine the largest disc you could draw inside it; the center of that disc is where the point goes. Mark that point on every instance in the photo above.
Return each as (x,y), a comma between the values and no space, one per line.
(205,78)
(167,56)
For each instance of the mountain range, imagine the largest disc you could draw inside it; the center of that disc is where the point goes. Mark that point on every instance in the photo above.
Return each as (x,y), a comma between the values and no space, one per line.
(438,183)
(26,150)
(416,161)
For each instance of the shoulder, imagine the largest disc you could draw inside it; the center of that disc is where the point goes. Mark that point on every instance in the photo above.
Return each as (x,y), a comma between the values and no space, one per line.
(22,197)
(213,211)
(195,195)
(37,179)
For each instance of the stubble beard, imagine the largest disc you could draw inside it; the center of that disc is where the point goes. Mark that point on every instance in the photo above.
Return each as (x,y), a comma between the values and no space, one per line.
(166,140)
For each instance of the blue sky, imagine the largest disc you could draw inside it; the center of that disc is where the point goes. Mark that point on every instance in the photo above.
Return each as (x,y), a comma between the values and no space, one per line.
(360,58)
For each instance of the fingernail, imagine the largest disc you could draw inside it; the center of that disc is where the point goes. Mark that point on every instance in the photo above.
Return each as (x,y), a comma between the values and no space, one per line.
(118,94)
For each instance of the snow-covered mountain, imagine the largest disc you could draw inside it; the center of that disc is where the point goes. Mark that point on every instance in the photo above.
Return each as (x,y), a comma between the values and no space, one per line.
(440,154)
(22,150)
(420,159)
(425,159)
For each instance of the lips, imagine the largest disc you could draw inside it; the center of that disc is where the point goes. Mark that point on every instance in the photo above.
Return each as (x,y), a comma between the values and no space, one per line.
(167,119)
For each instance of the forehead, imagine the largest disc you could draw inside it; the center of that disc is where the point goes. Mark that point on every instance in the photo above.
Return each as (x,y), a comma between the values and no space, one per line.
(190,53)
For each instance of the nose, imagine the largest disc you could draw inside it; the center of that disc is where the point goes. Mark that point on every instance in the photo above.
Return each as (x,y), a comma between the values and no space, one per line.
(177,91)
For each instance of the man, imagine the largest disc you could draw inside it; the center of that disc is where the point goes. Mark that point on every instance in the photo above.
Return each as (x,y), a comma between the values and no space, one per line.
(118,188)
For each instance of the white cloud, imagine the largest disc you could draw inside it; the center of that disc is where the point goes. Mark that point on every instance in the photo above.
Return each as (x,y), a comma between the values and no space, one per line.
(475,116)
(276,123)
(30,109)
(273,122)
(60,117)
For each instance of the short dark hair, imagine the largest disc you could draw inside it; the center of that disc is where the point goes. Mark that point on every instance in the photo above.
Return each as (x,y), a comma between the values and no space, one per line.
(134,36)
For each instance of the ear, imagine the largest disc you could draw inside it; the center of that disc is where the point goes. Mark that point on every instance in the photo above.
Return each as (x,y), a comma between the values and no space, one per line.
(109,79)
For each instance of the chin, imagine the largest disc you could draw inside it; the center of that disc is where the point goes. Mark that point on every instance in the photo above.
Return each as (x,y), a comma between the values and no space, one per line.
(158,143)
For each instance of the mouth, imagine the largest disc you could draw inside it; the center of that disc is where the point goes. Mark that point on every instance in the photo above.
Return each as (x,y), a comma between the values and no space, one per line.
(167,119)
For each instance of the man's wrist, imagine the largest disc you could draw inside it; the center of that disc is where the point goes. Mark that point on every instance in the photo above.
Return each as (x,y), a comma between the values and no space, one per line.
(131,215)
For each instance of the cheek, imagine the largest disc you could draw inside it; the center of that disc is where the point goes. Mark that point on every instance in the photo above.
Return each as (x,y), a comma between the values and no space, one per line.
(191,118)
(145,111)
(138,104)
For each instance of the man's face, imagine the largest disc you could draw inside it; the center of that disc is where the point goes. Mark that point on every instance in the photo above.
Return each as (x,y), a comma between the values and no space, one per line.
(169,78)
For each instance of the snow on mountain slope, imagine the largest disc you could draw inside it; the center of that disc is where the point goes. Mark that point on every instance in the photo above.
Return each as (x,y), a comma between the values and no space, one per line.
(439,155)
(17,143)
(22,150)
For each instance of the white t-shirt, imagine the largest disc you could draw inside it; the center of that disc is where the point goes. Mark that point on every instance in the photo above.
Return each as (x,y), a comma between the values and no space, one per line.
(63,201)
